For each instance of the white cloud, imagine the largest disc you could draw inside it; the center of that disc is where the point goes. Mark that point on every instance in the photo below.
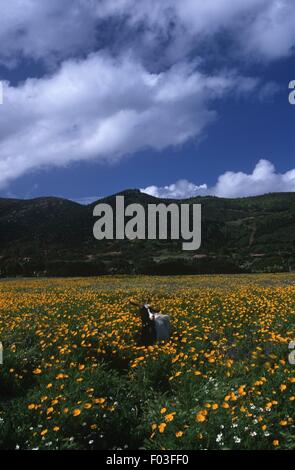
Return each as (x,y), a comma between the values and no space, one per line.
(54,29)
(272,32)
(44,29)
(182,189)
(104,108)
(104,105)
(264,179)
(261,28)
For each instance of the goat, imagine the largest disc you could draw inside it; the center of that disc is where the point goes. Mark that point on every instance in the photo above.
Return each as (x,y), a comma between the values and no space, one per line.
(155,326)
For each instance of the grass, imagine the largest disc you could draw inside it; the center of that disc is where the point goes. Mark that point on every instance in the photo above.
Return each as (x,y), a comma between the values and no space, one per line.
(75,377)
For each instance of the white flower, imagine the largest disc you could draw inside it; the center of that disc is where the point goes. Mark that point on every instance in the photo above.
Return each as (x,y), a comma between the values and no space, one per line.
(219,437)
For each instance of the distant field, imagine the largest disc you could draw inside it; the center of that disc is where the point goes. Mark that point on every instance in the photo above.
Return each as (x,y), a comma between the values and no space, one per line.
(75,377)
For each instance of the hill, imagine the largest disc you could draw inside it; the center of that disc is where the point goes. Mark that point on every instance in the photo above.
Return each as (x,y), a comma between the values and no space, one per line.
(53,236)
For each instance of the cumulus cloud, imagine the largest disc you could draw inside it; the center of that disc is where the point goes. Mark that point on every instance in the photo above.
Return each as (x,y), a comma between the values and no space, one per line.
(271,34)
(45,29)
(104,108)
(182,189)
(102,102)
(264,179)
(57,29)
(263,28)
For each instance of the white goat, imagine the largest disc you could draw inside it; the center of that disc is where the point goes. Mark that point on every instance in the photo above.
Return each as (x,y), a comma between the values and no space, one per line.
(155,326)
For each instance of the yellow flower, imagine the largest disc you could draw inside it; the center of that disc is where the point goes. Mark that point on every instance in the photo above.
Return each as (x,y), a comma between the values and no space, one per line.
(179,434)
(275,442)
(49,386)
(76,412)
(87,406)
(31,406)
(44,432)
(169,417)
(283,422)
(283,387)
(99,401)
(162,427)
(37,371)
(56,428)
(241,390)
(225,405)
(163,410)
(200,417)
(215,406)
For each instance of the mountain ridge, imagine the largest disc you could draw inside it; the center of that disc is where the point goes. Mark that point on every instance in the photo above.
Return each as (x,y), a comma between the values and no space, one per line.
(53,236)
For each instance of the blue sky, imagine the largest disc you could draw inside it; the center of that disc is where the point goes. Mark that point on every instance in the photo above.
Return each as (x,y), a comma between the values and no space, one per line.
(174,98)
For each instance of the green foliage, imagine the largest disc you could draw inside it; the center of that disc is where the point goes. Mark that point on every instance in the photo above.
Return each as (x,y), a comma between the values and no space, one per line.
(53,237)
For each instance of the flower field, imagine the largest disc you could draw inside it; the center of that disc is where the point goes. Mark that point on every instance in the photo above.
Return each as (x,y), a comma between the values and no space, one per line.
(74,375)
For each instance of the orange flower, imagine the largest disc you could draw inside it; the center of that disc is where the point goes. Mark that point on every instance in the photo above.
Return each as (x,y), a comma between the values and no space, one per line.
(99,401)
(201,417)
(76,412)
(162,427)
(241,390)
(169,417)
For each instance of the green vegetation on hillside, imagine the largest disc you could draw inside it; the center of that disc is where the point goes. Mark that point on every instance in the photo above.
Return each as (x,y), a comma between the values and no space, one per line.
(53,237)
